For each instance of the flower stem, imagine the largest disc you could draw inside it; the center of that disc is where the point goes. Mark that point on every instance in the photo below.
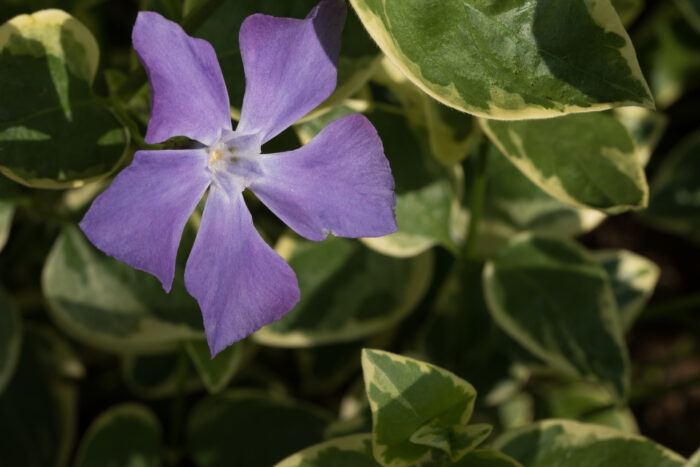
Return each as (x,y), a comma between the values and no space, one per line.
(476,201)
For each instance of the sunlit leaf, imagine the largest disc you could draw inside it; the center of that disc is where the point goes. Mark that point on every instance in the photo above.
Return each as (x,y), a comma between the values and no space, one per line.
(406,394)
(523,59)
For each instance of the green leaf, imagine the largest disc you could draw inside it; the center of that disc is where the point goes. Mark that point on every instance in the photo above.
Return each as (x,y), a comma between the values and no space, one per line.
(7,208)
(523,59)
(588,403)
(456,441)
(348,451)
(514,204)
(41,399)
(547,442)
(554,300)
(126,435)
(358,55)
(669,53)
(347,292)
(451,132)
(694,460)
(426,192)
(54,132)
(587,160)
(107,304)
(250,428)
(10,339)
(216,372)
(646,128)
(691,10)
(404,394)
(633,279)
(486,458)
(628,10)
(675,191)
(459,315)
(155,376)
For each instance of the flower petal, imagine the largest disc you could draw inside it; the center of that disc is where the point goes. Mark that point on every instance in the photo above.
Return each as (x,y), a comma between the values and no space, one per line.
(340,182)
(188,94)
(290,66)
(139,219)
(241,284)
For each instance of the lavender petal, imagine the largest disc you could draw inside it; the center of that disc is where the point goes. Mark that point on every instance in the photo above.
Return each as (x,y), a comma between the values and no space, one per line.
(188,94)
(241,284)
(340,182)
(290,66)
(139,219)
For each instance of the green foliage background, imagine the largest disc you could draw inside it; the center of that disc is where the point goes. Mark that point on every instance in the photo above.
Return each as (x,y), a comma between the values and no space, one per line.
(540,298)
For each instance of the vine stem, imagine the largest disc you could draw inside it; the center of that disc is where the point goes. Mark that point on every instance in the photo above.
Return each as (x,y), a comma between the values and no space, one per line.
(476,201)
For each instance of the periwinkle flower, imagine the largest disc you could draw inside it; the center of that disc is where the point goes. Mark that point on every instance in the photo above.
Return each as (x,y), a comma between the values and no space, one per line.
(339,183)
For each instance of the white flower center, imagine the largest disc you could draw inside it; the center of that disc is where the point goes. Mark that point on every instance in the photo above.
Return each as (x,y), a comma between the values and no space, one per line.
(234,160)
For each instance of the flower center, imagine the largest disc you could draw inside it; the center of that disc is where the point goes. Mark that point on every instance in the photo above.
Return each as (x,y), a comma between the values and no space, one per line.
(234,160)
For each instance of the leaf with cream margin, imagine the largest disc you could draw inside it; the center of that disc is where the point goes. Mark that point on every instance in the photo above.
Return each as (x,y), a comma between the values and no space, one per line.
(633,279)
(54,132)
(348,292)
(554,300)
(515,60)
(107,304)
(347,451)
(547,442)
(413,402)
(125,435)
(586,160)
(514,204)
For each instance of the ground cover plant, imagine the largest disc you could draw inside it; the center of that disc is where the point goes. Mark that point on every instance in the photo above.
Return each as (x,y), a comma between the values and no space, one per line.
(349,233)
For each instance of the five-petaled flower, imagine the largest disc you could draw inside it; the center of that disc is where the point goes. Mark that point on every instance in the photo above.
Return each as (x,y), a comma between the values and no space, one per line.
(340,182)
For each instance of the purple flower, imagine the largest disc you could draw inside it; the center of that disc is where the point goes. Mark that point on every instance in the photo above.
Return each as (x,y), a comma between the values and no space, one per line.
(338,183)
